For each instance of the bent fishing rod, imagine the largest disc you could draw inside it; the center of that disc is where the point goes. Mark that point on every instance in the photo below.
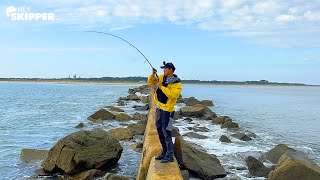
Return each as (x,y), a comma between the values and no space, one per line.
(106,33)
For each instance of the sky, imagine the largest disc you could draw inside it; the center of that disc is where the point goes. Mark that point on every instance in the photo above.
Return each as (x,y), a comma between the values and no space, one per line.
(239,40)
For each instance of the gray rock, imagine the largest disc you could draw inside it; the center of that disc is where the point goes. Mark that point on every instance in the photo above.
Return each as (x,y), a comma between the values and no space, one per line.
(33,155)
(274,154)
(83,150)
(80,125)
(241,136)
(224,138)
(191,101)
(116,109)
(200,129)
(137,129)
(142,108)
(256,168)
(121,103)
(219,120)
(121,133)
(191,111)
(123,117)
(230,125)
(207,102)
(111,176)
(195,135)
(185,174)
(101,114)
(206,166)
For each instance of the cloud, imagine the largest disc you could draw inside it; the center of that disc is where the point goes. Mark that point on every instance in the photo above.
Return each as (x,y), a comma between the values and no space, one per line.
(294,23)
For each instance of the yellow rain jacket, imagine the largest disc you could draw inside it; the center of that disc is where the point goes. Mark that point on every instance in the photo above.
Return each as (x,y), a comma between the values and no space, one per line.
(166,96)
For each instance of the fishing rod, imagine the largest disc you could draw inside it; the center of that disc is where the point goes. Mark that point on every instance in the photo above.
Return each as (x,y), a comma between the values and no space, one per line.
(100,32)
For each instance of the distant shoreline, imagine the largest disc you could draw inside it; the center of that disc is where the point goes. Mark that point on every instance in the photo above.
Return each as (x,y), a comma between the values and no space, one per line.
(57,81)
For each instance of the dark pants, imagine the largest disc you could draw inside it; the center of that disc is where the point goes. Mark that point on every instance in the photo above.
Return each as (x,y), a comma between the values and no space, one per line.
(164,128)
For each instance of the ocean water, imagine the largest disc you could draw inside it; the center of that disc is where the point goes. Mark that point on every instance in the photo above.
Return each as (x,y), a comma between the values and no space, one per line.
(34,115)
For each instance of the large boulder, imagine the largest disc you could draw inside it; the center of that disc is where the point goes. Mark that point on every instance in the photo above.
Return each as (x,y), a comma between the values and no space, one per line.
(116,109)
(83,150)
(207,102)
(101,114)
(274,154)
(204,165)
(121,133)
(32,155)
(191,101)
(209,114)
(140,116)
(193,111)
(256,168)
(230,125)
(220,119)
(137,129)
(123,117)
(295,165)
(241,136)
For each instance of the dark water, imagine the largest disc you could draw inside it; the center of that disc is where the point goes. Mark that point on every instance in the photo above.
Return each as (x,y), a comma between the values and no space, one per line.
(38,115)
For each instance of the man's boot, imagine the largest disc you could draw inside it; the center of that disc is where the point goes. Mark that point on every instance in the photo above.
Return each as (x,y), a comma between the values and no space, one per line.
(167,159)
(163,155)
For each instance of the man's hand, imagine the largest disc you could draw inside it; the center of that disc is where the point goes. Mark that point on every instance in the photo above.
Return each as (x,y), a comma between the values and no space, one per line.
(154,71)
(159,85)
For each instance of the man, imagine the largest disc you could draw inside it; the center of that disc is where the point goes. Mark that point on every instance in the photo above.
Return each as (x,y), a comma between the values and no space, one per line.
(168,90)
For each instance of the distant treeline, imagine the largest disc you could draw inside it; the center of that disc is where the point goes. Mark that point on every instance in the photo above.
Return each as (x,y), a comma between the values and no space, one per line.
(143,79)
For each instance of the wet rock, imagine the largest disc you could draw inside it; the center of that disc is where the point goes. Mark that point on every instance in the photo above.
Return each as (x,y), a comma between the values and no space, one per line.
(256,168)
(295,165)
(83,150)
(137,129)
(101,114)
(41,172)
(137,146)
(177,116)
(224,138)
(133,97)
(206,166)
(250,134)
(140,116)
(207,102)
(80,125)
(195,135)
(192,111)
(123,117)
(121,103)
(121,133)
(32,155)
(200,129)
(219,120)
(274,154)
(116,109)
(141,108)
(230,125)
(241,136)
(191,101)
(185,174)
(111,176)
(188,119)
(145,99)
(87,175)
